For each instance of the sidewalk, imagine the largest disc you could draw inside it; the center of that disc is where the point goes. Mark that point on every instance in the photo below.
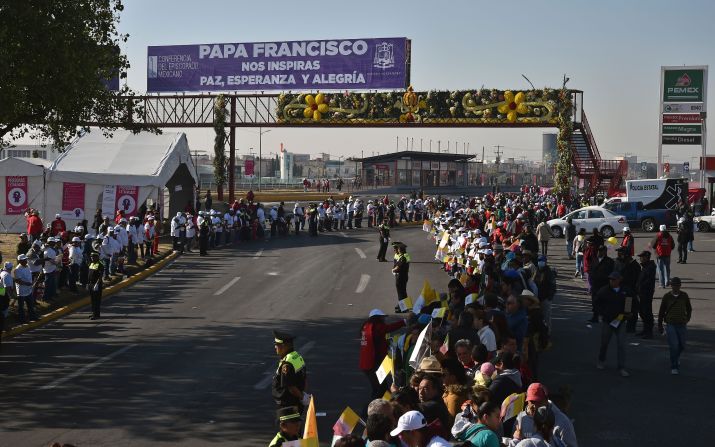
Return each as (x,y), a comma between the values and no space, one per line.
(67,302)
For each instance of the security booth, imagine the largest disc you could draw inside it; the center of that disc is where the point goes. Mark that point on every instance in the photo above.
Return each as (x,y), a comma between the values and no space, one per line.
(415,169)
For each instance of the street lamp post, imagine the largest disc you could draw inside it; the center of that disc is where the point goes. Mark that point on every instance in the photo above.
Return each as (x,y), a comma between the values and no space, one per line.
(260,159)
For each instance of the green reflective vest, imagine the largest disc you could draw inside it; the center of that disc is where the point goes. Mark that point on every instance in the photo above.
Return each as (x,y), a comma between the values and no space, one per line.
(294,359)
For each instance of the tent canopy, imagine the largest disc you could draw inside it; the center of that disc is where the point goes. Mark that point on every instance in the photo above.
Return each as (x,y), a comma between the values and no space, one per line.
(124,158)
(23,166)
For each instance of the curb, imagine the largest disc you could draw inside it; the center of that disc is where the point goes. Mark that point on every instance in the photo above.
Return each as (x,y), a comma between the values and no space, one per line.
(82,302)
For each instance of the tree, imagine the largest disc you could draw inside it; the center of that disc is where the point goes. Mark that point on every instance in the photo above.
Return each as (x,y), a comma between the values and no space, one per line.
(220,113)
(54,58)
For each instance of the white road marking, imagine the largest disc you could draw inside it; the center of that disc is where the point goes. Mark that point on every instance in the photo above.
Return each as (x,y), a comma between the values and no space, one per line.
(272,273)
(362,285)
(360,253)
(227,286)
(268,375)
(86,368)
(343,234)
(258,254)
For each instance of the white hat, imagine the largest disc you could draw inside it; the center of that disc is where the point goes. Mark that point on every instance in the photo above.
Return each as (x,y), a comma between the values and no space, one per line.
(662,228)
(22,257)
(376,313)
(57,215)
(626,229)
(76,239)
(412,420)
(681,220)
(489,252)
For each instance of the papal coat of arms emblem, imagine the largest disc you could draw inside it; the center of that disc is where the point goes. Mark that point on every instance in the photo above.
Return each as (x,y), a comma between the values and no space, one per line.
(384,56)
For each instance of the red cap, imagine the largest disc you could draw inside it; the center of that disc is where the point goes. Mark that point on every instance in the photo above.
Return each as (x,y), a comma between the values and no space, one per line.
(536,393)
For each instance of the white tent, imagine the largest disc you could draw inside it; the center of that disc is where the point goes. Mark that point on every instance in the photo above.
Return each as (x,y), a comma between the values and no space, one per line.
(146,162)
(31,195)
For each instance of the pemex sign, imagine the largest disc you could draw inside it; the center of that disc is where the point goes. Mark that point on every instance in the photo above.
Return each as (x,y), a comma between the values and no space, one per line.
(683,84)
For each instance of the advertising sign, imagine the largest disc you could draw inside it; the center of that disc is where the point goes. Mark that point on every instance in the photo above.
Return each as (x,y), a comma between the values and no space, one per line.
(127,198)
(248,168)
(685,129)
(683,84)
(16,194)
(682,139)
(682,118)
(696,107)
(109,201)
(72,201)
(292,65)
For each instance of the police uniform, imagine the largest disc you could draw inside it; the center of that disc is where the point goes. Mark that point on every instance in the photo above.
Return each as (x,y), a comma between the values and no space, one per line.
(401,264)
(291,372)
(384,239)
(286,414)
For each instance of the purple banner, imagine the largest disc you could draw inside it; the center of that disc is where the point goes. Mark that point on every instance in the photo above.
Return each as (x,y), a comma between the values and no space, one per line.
(360,64)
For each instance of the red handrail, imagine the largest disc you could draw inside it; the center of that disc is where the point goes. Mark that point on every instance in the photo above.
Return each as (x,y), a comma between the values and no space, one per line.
(591,141)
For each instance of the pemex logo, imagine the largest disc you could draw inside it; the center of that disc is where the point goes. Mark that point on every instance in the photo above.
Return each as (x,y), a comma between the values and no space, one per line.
(683,81)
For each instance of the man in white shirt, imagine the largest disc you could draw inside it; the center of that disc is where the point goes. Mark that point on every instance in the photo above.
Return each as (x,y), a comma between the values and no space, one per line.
(76,257)
(190,232)
(486,334)
(49,268)
(132,238)
(229,219)
(149,233)
(23,287)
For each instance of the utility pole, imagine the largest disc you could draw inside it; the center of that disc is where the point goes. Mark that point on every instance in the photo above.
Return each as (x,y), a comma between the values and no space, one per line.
(497,162)
(397,144)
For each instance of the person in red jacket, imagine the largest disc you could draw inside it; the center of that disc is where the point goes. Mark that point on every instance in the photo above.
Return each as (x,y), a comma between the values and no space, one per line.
(373,347)
(663,244)
(628,242)
(34,225)
(58,226)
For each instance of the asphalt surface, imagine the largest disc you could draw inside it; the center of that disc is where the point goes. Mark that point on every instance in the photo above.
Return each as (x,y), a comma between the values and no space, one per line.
(185,357)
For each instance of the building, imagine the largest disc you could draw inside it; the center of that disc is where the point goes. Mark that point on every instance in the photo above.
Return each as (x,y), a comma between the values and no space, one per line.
(415,169)
(30,151)
(286,163)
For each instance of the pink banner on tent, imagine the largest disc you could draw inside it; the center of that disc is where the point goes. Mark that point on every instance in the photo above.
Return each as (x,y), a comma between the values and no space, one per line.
(73,200)
(16,194)
(127,198)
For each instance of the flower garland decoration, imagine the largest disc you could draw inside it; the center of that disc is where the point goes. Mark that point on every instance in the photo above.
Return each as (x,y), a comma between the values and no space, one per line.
(563,168)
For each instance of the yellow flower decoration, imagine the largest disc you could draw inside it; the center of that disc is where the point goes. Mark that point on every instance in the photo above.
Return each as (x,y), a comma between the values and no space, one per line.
(316,106)
(514,106)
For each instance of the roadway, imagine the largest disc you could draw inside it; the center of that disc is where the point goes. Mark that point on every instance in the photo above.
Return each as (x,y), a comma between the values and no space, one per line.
(185,357)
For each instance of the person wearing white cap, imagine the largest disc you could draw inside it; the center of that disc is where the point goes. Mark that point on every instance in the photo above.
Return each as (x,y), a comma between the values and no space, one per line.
(106,250)
(178,232)
(663,244)
(149,233)
(76,258)
(413,431)
(58,226)
(23,286)
(628,242)
(373,347)
(7,290)
(49,268)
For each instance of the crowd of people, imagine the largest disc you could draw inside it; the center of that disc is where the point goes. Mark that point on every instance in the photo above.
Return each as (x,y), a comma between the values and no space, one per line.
(465,364)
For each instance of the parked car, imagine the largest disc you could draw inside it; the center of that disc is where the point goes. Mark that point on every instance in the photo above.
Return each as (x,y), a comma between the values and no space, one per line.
(590,217)
(705,223)
(639,217)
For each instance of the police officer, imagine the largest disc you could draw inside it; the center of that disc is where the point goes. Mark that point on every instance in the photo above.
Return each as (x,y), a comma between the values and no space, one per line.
(401,269)
(95,284)
(289,381)
(384,230)
(289,426)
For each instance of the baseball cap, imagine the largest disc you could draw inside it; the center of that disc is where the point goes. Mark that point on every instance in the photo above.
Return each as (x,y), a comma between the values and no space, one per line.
(8,265)
(662,228)
(626,229)
(536,392)
(487,369)
(412,420)
(675,280)
(614,275)
(644,253)
(22,257)
(376,313)
(76,239)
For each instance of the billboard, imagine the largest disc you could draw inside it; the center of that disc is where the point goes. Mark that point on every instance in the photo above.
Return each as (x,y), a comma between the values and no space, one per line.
(292,65)
(684,84)
(73,201)
(16,194)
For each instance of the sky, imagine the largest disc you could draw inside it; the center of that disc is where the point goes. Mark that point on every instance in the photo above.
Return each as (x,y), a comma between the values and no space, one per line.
(612,50)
